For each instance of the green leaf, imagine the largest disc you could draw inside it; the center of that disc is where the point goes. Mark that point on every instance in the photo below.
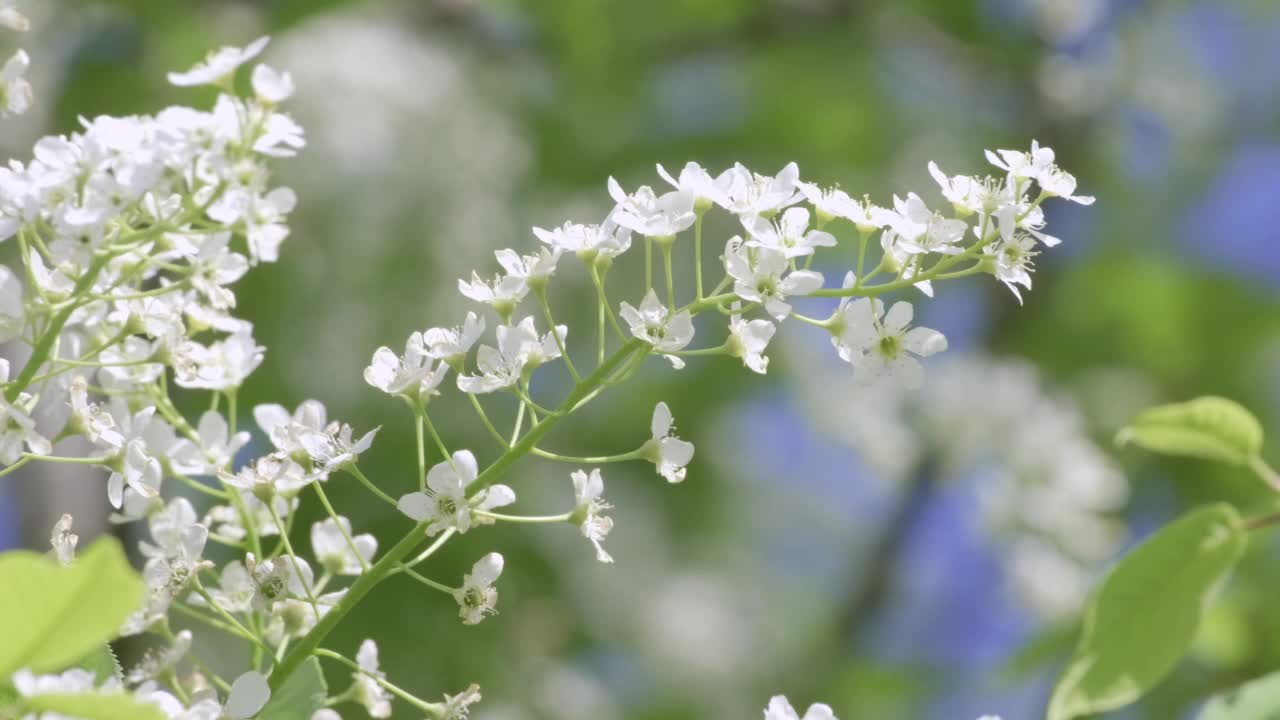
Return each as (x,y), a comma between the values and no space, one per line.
(1256,700)
(1142,619)
(53,616)
(103,662)
(95,706)
(1209,427)
(303,693)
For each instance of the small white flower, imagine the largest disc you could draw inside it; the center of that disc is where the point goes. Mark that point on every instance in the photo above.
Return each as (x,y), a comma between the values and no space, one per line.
(758,273)
(12,19)
(751,194)
(415,375)
(652,215)
(63,540)
(235,590)
(748,340)
(286,431)
(881,346)
(140,471)
(477,597)
(367,691)
(966,194)
(830,203)
(329,543)
(12,309)
(277,580)
(452,344)
(588,490)
(535,269)
(1023,165)
(179,544)
(219,64)
(271,86)
(696,181)
(268,476)
(223,365)
(446,504)
(215,449)
(15,91)
(790,235)
(94,418)
(333,448)
(668,453)
(606,240)
(654,324)
(503,294)
(1056,182)
(780,709)
(922,230)
(520,350)
(17,428)
(457,707)
(1011,257)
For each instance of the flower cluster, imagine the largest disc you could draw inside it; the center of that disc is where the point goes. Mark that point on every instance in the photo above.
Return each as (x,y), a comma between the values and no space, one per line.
(133,231)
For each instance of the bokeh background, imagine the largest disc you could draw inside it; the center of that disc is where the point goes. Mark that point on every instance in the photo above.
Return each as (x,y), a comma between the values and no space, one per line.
(899,556)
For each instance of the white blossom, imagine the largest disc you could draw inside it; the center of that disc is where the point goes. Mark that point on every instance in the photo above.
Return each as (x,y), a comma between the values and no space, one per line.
(748,340)
(606,240)
(780,709)
(880,346)
(751,194)
(650,214)
(446,504)
(15,91)
(589,503)
(63,540)
(477,597)
(219,65)
(656,325)
(790,235)
(763,275)
(366,690)
(329,543)
(668,453)
(697,182)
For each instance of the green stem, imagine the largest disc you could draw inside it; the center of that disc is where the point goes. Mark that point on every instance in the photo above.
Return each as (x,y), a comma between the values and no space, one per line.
(697,255)
(408,697)
(355,471)
(551,323)
(671,288)
(596,460)
(310,642)
(328,508)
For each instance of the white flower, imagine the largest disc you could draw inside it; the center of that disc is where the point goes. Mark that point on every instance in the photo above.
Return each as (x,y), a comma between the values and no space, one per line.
(140,471)
(329,543)
(654,324)
(652,215)
(17,428)
(830,203)
(668,453)
(94,418)
(286,432)
(219,64)
(63,540)
(277,579)
(270,475)
(367,691)
(235,589)
(12,19)
(179,543)
(758,276)
(881,349)
(520,350)
(748,340)
(215,449)
(223,365)
(452,344)
(415,375)
(333,448)
(15,91)
(1011,257)
(1023,165)
(780,709)
(503,294)
(1056,182)
(446,504)
(535,270)
(606,240)
(966,194)
(697,182)
(900,261)
(588,504)
(477,596)
(751,194)
(790,235)
(922,230)
(457,707)
(271,86)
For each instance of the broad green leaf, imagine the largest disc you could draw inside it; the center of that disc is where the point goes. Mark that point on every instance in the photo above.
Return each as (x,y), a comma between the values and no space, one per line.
(53,616)
(103,662)
(95,706)
(1256,700)
(1209,427)
(1142,619)
(303,693)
